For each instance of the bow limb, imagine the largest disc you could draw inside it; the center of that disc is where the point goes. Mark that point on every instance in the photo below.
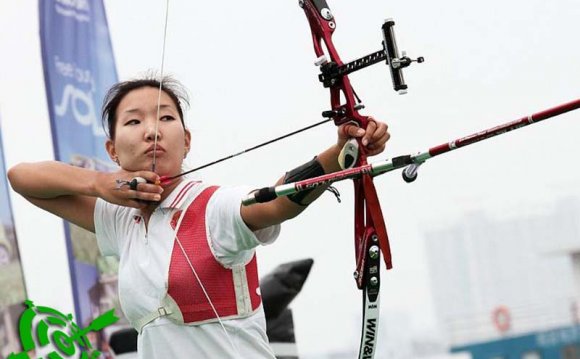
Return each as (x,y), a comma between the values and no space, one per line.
(322,26)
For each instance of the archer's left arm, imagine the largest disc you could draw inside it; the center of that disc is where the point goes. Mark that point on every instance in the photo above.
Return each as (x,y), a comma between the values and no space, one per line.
(263,215)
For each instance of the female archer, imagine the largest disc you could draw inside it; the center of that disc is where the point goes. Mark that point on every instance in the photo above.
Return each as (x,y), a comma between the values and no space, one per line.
(188,279)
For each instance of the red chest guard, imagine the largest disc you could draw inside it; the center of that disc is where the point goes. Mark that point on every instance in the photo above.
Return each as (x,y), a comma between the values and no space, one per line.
(234,292)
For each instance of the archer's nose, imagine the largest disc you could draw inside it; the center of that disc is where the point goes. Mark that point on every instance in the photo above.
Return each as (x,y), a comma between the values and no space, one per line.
(152,132)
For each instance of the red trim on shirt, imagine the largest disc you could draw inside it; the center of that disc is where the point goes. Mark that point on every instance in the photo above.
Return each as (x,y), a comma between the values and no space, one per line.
(181,193)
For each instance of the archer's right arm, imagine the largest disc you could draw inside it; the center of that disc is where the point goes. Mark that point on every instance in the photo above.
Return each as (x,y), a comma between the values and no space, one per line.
(70,192)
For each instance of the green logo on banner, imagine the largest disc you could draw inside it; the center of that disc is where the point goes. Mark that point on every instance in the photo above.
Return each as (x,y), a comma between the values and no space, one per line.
(49,326)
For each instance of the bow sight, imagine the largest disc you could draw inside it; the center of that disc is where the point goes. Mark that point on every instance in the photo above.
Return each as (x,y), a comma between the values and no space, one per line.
(396,64)
(331,71)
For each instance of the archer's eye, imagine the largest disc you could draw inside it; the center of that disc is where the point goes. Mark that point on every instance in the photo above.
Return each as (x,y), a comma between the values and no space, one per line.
(167,118)
(132,122)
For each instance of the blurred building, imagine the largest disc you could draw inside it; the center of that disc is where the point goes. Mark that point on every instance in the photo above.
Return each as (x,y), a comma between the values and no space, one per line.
(499,279)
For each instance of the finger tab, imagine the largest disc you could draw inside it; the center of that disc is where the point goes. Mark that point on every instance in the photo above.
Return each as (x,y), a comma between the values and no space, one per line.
(135,182)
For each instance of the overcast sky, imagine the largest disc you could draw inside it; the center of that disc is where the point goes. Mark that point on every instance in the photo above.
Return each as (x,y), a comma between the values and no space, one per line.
(249,68)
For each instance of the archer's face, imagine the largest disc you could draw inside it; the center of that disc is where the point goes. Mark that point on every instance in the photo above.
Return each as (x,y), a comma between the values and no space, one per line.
(135,129)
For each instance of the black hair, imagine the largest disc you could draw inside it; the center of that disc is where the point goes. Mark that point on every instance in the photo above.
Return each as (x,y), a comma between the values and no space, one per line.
(173,88)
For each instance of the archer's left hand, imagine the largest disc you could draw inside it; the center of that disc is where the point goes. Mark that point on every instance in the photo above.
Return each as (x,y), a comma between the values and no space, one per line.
(374,138)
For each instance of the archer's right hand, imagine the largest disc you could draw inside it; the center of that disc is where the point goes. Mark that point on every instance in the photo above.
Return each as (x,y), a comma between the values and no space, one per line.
(115,188)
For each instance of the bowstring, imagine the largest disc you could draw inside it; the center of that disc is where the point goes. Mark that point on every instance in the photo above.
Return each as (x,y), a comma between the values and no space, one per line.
(161,71)
(153,167)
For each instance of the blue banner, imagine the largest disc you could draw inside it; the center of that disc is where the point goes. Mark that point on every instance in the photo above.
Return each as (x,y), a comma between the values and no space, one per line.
(12,290)
(79,67)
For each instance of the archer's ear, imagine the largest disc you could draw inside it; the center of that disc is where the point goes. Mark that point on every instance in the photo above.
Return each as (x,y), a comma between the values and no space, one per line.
(110,147)
(187,139)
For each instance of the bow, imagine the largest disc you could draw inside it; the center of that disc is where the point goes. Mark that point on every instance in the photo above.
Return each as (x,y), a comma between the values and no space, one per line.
(370,232)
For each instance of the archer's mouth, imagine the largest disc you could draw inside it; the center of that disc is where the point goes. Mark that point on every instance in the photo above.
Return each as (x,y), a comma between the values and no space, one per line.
(155,151)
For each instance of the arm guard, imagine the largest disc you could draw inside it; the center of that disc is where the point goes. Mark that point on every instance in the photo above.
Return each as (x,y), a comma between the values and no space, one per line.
(310,169)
